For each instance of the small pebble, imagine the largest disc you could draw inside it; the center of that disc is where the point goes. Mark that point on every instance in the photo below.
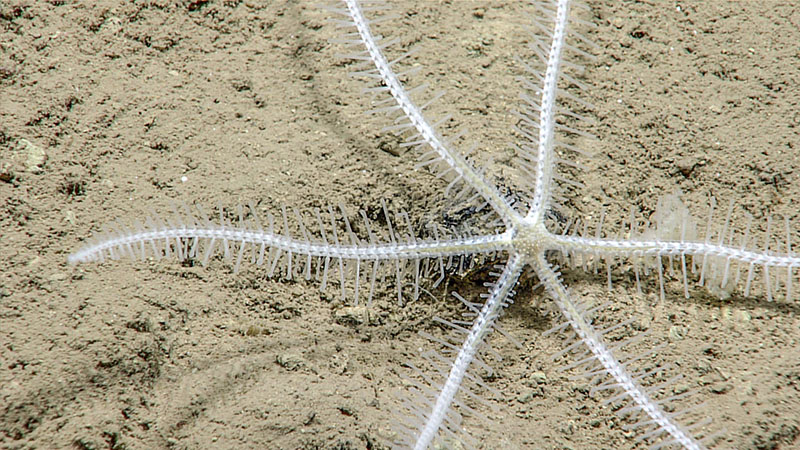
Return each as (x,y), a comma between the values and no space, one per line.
(289,361)
(58,277)
(539,377)
(35,156)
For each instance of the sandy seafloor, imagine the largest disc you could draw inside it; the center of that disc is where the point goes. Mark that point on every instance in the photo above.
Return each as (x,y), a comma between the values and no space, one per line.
(246,100)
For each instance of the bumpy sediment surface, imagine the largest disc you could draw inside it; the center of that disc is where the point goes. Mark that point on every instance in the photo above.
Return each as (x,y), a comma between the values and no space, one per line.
(109,109)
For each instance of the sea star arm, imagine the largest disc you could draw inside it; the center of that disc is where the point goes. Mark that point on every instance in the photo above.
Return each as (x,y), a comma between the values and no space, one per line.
(499,298)
(599,350)
(543,173)
(458,164)
(575,245)
(720,266)
(158,238)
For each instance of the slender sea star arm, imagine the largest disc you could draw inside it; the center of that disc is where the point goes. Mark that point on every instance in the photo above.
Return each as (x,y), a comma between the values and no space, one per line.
(610,247)
(426,131)
(135,242)
(601,352)
(543,176)
(483,325)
